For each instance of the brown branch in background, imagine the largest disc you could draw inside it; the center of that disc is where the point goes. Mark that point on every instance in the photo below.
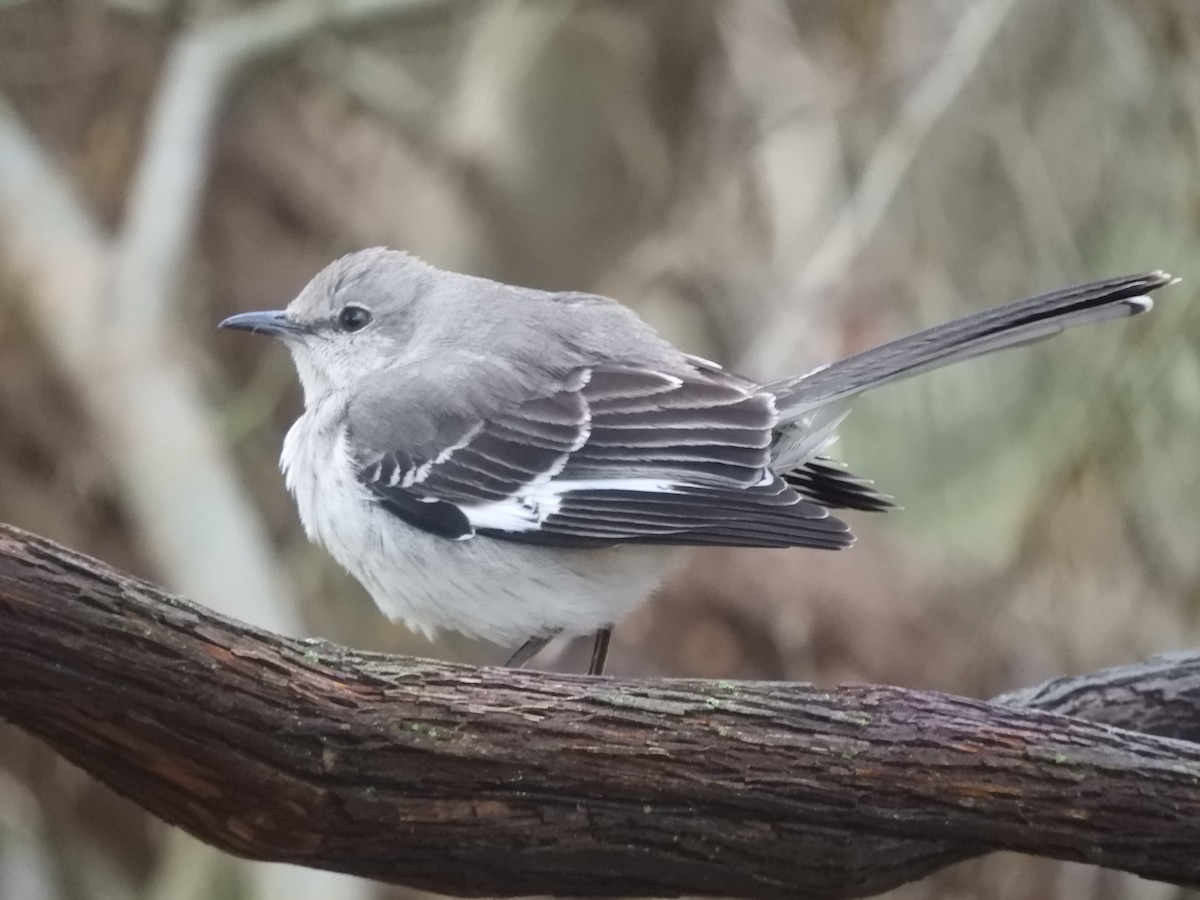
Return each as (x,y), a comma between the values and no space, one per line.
(165,198)
(863,214)
(104,306)
(487,781)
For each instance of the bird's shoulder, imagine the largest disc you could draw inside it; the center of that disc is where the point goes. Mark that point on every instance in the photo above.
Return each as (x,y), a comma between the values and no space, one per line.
(422,407)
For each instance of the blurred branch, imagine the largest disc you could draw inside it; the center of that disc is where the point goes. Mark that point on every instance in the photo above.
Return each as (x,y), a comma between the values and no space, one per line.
(489,781)
(125,356)
(165,197)
(51,241)
(379,82)
(173,468)
(204,503)
(923,109)
(1044,218)
(875,194)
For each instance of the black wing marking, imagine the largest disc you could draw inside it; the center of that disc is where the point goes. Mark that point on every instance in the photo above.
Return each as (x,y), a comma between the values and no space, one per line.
(831,485)
(492,462)
(619,455)
(435,516)
(595,518)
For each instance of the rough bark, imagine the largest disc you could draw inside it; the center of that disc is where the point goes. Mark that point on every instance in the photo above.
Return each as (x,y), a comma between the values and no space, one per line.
(485,781)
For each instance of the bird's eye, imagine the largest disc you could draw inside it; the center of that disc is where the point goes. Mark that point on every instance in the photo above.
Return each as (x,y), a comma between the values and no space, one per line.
(353,318)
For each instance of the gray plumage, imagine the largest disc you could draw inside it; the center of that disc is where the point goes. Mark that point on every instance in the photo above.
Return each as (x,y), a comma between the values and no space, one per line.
(512,463)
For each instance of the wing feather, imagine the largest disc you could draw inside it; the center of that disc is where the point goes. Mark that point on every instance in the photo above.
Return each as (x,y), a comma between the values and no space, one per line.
(833,486)
(619,454)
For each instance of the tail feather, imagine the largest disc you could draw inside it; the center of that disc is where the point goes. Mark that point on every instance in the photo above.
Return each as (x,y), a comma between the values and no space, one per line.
(835,487)
(1020,322)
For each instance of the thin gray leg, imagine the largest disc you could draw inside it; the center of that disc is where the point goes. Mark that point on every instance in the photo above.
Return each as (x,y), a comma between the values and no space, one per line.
(600,651)
(530,649)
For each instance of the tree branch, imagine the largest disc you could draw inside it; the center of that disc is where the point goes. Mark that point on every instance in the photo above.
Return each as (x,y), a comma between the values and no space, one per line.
(486,781)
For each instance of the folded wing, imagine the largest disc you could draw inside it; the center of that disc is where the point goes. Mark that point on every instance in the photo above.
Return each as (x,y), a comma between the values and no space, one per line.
(619,454)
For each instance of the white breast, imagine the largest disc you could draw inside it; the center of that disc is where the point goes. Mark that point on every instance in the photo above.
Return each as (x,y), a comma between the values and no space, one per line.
(498,590)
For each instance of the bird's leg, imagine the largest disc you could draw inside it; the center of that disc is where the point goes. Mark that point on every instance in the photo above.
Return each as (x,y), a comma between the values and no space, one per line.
(600,651)
(530,649)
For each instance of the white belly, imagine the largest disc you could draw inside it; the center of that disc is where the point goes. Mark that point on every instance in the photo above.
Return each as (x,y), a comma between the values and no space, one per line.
(498,590)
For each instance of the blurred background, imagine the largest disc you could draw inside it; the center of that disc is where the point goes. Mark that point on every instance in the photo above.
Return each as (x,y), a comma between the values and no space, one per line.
(772,184)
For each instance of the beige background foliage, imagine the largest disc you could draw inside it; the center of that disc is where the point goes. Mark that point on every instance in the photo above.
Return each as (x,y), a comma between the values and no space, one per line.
(771,184)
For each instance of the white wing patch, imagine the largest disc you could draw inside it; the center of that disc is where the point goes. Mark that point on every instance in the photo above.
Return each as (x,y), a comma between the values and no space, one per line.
(529,509)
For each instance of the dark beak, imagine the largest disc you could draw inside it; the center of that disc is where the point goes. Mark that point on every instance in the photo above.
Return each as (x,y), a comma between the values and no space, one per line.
(270,321)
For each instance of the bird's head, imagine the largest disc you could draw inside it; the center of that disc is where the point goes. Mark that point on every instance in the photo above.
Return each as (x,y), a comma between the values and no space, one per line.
(350,322)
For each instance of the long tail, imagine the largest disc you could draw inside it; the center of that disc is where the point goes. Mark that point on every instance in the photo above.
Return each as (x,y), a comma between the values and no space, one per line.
(1020,322)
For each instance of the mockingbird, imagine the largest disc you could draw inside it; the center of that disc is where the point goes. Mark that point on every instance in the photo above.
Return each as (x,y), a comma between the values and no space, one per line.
(515,464)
